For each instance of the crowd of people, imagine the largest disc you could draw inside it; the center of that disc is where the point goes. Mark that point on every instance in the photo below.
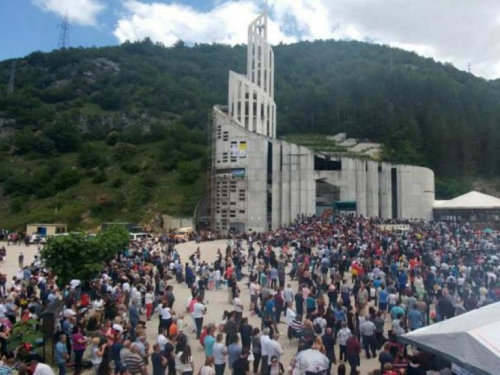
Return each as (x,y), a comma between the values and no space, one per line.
(342,287)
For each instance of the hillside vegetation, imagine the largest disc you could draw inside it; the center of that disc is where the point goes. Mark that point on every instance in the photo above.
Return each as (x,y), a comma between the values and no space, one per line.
(119,132)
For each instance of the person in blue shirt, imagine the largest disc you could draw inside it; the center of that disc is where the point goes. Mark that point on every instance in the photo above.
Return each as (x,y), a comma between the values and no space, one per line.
(415,318)
(310,304)
(383,299)
(61,354)
(396,310)
(209,342)
(233,352)
(402,281)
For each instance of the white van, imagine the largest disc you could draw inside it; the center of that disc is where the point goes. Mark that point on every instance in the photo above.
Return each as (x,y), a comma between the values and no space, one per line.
(140,236)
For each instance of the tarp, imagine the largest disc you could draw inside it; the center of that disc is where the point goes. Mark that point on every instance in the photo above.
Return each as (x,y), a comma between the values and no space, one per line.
(345,205)
(471,340)
(471,200)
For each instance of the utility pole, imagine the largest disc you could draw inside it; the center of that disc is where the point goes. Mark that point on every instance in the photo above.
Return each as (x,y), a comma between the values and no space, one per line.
(10,87)
(65,29)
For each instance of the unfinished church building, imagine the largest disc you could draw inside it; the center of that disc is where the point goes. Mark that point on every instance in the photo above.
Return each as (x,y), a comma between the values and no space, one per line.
(260,183)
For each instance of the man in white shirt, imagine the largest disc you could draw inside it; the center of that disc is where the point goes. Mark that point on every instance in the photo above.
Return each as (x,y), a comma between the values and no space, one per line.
(274,349)
(126,287)
(165,316)
(217,278)
(253,295)
(320,323)
(238,307)
(41,368)
(264,350)
(162,339)
(289,294)
(3,310)
(199,310)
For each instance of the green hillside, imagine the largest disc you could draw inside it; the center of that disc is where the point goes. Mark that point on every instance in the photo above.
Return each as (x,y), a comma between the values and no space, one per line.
(119,132)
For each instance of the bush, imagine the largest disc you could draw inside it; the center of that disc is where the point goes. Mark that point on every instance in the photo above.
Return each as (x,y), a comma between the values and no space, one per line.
(19,183)
(139,195)
(46,191)
(188,172)
(26,141)
(130,168)
(16,205)
(65,135)
(67,178)
(112,138)
(89,158)
(100,177)
(148,180)
(117,183)
(124,151)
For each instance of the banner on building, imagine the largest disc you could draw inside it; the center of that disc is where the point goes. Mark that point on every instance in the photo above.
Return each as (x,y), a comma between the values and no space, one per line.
(243,150)
(238,172)
(234,149)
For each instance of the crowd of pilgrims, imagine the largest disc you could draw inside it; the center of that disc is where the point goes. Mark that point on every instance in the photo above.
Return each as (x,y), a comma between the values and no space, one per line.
(357,287)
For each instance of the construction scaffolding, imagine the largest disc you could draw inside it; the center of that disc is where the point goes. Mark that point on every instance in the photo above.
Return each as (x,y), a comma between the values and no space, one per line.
(205,209)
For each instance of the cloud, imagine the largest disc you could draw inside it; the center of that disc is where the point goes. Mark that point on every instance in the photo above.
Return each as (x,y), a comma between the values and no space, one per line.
(80,12)
(168,23)
(458,31)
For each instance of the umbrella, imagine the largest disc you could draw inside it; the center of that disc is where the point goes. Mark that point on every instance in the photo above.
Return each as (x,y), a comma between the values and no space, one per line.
(311,360)
(488,230)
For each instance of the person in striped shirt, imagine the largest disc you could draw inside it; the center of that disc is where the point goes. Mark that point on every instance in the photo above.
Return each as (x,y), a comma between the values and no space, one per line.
(7,367)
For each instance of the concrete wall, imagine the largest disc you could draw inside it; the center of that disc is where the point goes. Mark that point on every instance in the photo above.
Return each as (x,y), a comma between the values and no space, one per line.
(416,192)
(293,188)
(171,222)
(241,202)
(369,183)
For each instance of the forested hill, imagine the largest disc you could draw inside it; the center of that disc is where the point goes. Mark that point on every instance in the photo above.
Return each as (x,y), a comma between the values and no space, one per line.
(425,113)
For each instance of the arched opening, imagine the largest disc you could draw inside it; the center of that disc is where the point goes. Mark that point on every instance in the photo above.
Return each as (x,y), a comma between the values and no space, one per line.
(326,195)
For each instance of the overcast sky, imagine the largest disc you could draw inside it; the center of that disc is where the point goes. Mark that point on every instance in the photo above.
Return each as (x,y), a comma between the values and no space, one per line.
(458,31)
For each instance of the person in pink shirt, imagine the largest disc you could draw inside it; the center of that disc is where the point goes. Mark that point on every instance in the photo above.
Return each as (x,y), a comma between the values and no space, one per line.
(191,310)
(79,344)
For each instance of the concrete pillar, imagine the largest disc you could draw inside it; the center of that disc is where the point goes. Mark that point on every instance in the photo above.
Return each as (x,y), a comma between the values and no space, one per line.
(360,166)
(372,181)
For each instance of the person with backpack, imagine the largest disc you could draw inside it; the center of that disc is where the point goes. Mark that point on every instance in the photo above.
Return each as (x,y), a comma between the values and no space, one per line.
(319,325)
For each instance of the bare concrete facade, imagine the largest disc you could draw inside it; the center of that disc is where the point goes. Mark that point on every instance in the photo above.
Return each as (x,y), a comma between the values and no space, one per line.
(261,183)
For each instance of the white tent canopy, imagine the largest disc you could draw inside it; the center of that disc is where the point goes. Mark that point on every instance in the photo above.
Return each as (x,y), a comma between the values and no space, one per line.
(471,200)
(471,340)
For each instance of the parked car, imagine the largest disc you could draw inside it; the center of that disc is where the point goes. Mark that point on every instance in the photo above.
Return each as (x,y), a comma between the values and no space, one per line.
(140,236)
(36,239)
(183,234)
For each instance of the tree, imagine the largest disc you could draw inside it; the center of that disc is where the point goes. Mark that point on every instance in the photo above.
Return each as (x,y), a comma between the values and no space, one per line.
(65,135)
(74,257)
(188,172)
(89,157)
(77,256)
(113,240)
(67,178)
